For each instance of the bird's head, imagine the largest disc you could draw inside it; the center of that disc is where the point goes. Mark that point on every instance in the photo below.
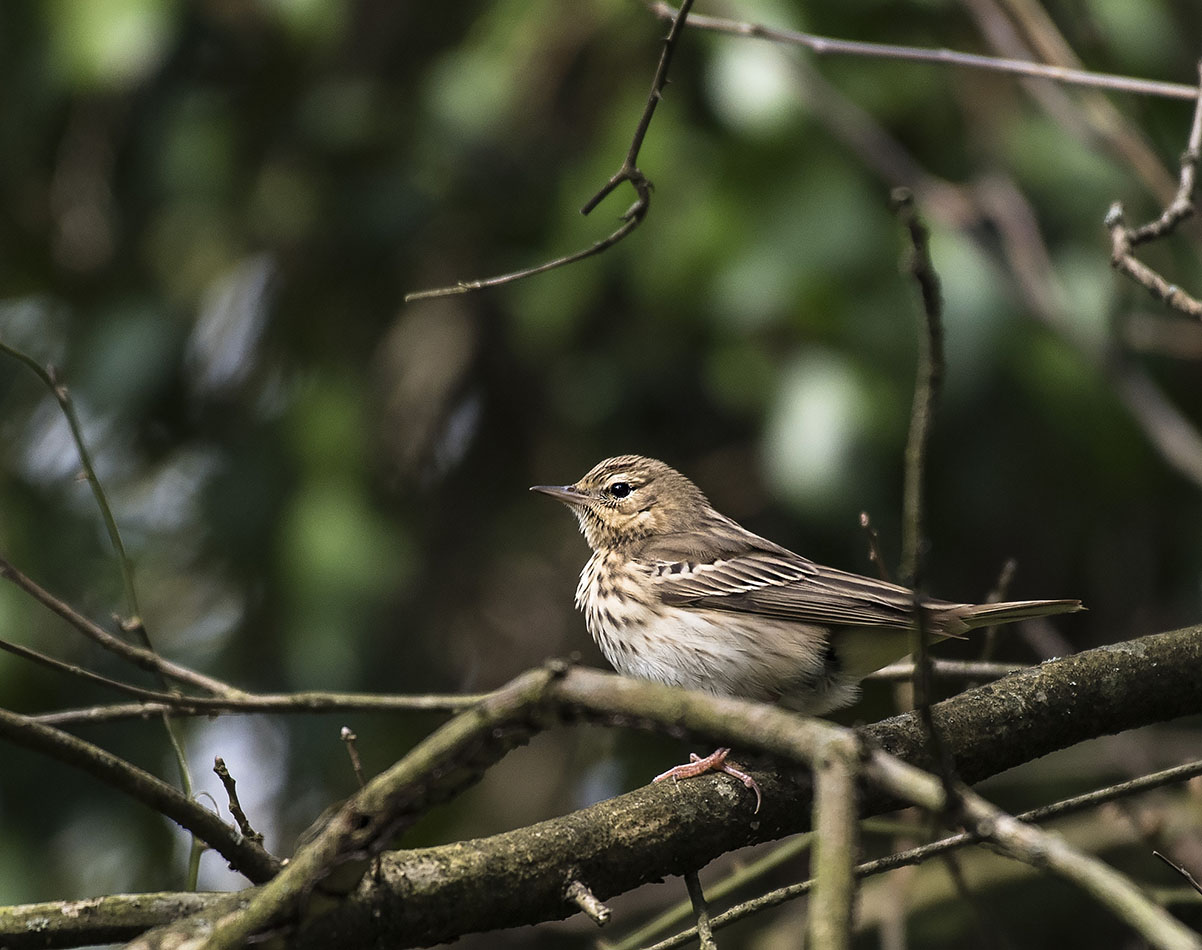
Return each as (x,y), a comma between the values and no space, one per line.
(628,498)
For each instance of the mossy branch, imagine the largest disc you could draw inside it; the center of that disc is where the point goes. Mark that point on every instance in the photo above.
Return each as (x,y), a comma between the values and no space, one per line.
(520,877)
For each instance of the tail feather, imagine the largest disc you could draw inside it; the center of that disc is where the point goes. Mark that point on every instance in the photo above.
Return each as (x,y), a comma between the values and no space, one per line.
(863,650)
(986,615)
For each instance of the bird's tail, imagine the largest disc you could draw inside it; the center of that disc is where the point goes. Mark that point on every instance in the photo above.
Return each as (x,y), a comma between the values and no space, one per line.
(987,615)
(865,649)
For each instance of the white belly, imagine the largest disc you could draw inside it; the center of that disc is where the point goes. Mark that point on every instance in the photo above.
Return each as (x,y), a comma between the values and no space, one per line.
(721,652)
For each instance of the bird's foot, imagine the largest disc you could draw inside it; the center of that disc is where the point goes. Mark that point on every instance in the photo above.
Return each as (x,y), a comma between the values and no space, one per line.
(714,762)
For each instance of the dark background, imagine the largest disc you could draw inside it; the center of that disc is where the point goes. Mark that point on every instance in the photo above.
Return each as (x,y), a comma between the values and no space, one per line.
(210,213)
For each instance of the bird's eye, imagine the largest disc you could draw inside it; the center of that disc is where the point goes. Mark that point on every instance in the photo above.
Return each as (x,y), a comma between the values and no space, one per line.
(620,489)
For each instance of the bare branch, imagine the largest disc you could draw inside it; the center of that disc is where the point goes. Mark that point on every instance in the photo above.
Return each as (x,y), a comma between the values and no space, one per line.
(628,172)
(924,852)
(231,791)
(824,45)
(874,547)
(701,911)
(1122,260)
(419,894)
(1029,844)
(245,856)
(949,669)
(50,379)
(683,825)
(579,894)
(1189,878)
(248,703)
(927,385)
(103,920)
(836,841)
(1123,240)
(347,735)
(71,669)
(146,659)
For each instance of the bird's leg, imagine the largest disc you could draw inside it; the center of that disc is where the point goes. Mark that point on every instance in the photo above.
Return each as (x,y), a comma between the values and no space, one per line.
(714,762)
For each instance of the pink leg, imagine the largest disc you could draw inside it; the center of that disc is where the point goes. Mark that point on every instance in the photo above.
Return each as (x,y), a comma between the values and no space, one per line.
(714,762)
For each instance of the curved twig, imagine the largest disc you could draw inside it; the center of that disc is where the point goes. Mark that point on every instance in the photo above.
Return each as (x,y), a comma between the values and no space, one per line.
(628,172)
(1124,240)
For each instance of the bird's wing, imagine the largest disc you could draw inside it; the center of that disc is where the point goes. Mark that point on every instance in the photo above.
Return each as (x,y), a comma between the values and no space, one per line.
(786,587)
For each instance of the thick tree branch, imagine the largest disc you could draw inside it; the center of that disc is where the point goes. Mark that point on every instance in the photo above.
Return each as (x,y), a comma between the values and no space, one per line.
(434,894)
(107,919)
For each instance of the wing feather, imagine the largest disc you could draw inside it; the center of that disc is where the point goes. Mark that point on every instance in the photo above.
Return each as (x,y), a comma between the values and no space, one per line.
(787,587)
(722,566)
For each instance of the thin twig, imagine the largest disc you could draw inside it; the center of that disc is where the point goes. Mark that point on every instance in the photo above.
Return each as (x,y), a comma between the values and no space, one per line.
(146,659)
(874,547)
(1122,260)
(927,386)
(1189,878)
(49,377)
(1123,239)
(580,895)
(132,623)
(347,735)
(249,703)
(949,669)
(737,878)
(1110,888)
(231,791)
(1023,29)
(1029,844)
(921,684)
(701,911)
(245,856)
(71,669)
(823,45)
(628,172)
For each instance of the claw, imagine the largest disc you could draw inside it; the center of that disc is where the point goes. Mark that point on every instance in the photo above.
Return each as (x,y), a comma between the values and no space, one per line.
(714,762)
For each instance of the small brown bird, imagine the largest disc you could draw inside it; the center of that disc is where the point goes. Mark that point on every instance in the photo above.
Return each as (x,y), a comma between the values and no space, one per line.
(677,593)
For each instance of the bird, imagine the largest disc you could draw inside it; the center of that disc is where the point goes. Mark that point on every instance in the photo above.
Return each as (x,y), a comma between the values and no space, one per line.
(678,593)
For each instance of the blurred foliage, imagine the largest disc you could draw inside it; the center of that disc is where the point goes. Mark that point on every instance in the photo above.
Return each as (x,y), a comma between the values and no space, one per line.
(210,213)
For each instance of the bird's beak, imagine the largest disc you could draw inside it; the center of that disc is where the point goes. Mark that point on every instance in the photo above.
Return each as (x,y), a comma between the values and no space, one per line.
(568,494)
